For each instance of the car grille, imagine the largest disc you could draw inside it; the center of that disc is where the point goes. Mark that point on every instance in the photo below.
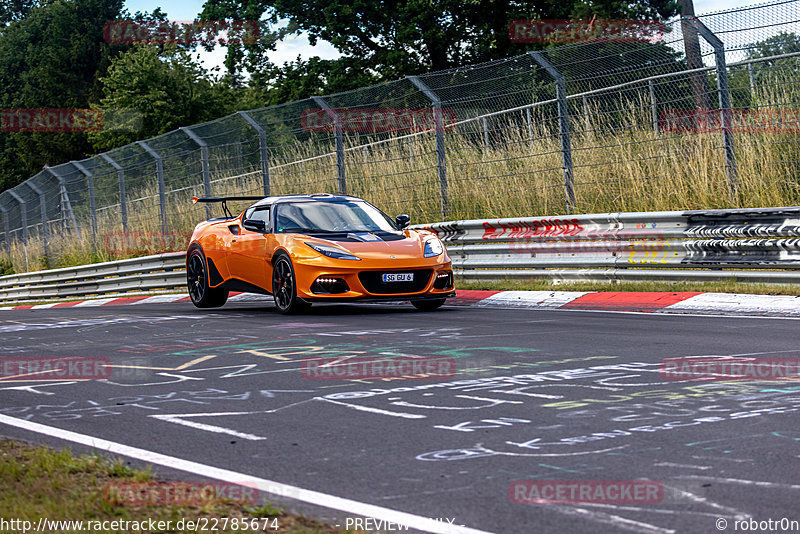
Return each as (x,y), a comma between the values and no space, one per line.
(372,282)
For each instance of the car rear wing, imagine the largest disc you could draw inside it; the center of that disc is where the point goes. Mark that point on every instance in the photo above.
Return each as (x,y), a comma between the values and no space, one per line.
(224,201)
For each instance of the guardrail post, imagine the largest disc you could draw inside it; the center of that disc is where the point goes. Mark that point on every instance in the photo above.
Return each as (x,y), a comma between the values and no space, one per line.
(563,125)
(441,156)
(66,204)
(206,170)
(43,211)
(122,196)
(339,139)
(263,150)
(160,175)
(92,208)
(23,210)
(724,93)
(653,105)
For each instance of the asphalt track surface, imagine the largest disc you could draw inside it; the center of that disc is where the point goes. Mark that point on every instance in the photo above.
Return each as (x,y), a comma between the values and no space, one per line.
(227,389)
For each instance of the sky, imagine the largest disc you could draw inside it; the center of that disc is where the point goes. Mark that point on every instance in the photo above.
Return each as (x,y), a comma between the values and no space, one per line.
(290,48)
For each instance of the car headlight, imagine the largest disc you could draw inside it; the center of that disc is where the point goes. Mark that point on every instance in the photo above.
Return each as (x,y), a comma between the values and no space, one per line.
(433,247)
(332,252)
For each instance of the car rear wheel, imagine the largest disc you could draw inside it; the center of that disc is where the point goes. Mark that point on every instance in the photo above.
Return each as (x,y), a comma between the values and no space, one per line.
(201,294)
(284,287)
(428,305)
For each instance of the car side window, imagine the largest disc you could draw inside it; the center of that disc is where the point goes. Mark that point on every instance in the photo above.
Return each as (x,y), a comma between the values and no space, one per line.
(248,214)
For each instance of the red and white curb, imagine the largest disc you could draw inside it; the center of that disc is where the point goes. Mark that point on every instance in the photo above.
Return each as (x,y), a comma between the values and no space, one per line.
(661,302)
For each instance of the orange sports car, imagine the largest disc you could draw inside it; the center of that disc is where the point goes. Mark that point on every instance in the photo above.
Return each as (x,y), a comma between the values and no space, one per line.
(315,248)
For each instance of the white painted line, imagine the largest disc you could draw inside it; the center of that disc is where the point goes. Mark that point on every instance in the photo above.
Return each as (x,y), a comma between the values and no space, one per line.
(531,299)
(160,299)
(738,303)
(98,302)
(43,306)
(373,410)
(177,419)
(250,297)
(313,497)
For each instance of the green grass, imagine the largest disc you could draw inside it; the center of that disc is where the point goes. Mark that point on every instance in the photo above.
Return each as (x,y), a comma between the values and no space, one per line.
(40,482)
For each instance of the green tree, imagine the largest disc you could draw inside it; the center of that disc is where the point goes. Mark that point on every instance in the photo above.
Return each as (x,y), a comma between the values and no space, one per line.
(51,58)
(413,36)
(164,90)
(13,10)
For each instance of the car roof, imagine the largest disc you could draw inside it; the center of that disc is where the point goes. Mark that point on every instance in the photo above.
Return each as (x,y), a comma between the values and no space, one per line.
(317,197)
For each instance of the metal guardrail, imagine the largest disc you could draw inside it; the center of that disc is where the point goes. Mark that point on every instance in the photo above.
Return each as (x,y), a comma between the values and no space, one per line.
(151,274)
(754,245)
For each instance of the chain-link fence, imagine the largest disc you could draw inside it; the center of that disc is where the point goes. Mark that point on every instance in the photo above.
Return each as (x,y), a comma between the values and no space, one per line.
(703,117)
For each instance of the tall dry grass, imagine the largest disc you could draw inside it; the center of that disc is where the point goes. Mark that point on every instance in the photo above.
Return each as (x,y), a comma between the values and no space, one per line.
(622,167)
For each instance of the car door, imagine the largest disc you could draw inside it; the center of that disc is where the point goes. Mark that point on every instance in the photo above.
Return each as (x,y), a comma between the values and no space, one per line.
(248,259)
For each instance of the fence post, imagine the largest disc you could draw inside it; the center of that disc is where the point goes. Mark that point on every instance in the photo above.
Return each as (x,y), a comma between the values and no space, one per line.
(337,129)
(6,237)
(653,106)
(43,212)
(262,149)
(122,197)
(23,210)
(563,125)
(694,56)
(752,79)
(485,124)
(441,157)
(206,170)
(160,174)
(66,204)
(90,184)
(724,101)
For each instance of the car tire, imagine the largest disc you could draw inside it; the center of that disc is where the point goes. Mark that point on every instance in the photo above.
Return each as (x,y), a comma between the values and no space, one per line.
(201,294)
(428,305)
(284,287)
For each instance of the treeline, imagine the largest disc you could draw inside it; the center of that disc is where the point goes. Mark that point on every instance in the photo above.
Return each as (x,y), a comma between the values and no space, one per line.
(54,54)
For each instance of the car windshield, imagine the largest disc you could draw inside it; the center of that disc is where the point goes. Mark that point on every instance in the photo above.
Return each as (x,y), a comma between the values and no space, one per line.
(329,217)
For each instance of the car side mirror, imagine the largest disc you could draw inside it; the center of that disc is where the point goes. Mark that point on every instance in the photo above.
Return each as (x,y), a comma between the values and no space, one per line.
(255,225)
(402,221)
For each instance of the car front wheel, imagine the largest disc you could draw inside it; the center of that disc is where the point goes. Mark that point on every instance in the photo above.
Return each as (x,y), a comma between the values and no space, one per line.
(284,287)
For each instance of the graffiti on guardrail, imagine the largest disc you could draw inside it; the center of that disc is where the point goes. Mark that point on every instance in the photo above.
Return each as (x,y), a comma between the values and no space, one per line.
(536,228)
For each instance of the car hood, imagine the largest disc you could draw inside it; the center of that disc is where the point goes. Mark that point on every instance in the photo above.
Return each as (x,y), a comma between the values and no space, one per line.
(407,244)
